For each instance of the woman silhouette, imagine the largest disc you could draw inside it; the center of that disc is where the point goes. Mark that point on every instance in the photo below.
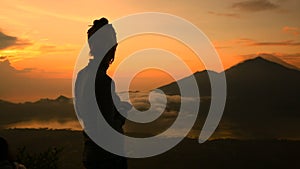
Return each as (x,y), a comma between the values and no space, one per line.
(94,157)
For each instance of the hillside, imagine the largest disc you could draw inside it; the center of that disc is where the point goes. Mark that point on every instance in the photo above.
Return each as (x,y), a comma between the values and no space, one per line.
(262,100)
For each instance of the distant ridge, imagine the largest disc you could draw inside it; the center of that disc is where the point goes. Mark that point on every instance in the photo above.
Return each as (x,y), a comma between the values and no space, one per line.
(253,76)
(274,59)
(45,110)
(60,98)
(262,100)
(262,61)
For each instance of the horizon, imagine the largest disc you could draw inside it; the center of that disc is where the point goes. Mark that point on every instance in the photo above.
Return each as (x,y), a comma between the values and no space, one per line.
(268,58)
(59,113)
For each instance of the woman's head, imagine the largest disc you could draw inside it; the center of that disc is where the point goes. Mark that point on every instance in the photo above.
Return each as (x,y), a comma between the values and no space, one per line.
(102,42)
(97,24)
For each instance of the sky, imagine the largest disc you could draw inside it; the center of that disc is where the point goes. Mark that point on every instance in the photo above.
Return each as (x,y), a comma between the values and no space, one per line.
(40,40)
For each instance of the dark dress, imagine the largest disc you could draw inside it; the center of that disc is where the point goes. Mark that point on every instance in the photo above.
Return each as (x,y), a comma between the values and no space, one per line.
(94,157)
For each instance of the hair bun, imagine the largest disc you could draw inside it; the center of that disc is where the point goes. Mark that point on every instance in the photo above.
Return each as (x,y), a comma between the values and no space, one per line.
(100,22)
(97,24)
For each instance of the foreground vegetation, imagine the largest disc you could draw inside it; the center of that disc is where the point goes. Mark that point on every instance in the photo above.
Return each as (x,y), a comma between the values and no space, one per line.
(214,154)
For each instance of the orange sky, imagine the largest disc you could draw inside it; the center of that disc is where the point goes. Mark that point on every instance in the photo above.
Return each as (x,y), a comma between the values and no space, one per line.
(41,39)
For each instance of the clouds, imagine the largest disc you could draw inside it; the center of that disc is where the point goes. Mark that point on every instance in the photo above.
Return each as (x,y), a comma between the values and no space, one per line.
(279,43)
(7,41)
(291,56)
(53,124)
(285,49)
(17,48)
(252,42)
(291,30)
(255,5)
(250,6)
(165,113)
(232,15)
(51,48)
(247,42)
(3,58)
(19,85)
(7,70)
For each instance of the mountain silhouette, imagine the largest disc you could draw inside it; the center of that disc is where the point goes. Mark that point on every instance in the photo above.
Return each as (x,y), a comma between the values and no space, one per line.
(62,98)
(262,100)
(251,78)
(59,109)
(59,99)
(261,77)
(275,59)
